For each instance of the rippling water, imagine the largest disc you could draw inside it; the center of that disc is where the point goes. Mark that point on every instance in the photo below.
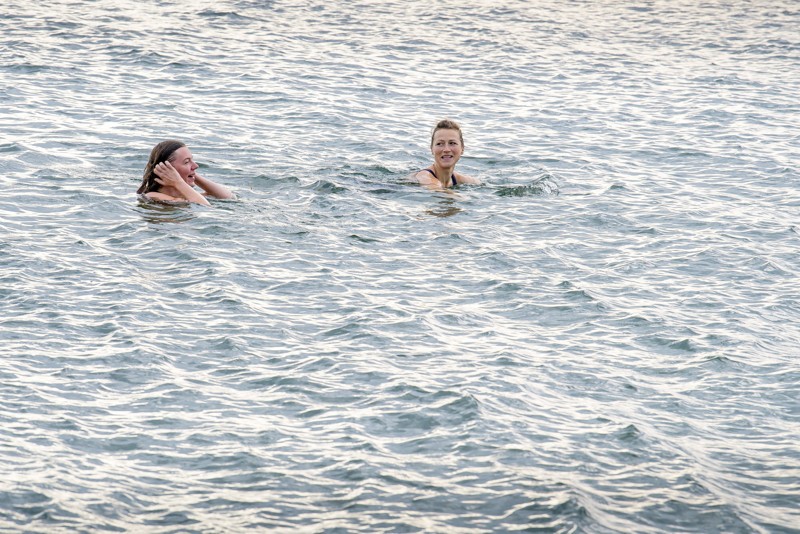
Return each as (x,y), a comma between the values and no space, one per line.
(601,338)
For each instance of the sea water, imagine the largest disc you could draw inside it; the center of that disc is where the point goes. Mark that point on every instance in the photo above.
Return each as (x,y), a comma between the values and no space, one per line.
(602,337)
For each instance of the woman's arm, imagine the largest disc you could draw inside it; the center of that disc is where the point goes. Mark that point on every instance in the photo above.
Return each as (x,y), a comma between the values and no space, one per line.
(212,188)
(169,177)
(464,179)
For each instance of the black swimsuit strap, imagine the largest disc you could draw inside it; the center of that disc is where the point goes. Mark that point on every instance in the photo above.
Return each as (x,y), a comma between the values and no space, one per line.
(452,176)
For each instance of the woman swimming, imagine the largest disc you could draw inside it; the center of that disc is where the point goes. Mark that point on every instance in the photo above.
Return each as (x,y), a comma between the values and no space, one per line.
(170,176)
(447,145)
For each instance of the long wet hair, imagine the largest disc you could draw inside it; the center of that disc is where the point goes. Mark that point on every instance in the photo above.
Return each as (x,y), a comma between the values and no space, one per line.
(163,151)
(447,124)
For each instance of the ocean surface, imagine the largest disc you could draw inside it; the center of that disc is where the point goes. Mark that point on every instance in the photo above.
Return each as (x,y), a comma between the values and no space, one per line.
(602,337)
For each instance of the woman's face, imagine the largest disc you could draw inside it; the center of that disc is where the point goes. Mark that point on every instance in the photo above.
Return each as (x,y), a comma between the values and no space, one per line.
(446,147)
(184,163)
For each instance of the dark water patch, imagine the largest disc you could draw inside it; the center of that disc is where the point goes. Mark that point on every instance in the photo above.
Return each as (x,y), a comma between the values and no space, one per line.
(170,519)
(324,186)
(32,68)
(10,148)
(629,433)
(264,182)
(502,287)
(382,191)
(225,15)
(685,152)
(677,345)
(452,238)
(363,239)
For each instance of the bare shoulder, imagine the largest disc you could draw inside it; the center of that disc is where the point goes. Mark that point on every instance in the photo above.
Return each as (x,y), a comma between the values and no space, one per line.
(464,179)
(424,177)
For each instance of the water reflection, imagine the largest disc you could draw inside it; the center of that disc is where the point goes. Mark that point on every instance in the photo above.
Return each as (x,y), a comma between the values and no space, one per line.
(446,208)
(162,212)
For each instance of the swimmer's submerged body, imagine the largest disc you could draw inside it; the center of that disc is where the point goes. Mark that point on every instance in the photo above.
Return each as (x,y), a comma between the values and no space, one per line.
(170,176)
(433,173)
(447,145)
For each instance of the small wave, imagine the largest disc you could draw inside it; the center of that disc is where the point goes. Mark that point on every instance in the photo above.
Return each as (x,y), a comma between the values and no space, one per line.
(678,345)
(10,147)
(362,239)
(324,186)
(229,15)
(30,68)
(543,186)
(629,433)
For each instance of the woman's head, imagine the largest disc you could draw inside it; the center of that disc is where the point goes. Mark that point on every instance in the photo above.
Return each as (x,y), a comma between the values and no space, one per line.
(447,144)
(163,151)
(447,124)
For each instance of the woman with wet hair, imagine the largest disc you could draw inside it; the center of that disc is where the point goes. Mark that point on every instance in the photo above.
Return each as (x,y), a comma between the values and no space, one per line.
(170,175)
(447,145)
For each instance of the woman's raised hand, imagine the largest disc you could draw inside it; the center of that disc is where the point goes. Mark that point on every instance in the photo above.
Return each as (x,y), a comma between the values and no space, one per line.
(167,175)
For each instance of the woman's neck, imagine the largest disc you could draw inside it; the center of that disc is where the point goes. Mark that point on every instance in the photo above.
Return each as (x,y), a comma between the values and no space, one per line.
(443,174)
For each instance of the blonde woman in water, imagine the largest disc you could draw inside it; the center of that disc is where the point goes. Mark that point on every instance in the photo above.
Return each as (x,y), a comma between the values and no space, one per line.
(170,175)
(447,145)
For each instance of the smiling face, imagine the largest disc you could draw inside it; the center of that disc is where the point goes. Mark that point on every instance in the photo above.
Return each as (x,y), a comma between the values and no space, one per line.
(184,163)
(446,147)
